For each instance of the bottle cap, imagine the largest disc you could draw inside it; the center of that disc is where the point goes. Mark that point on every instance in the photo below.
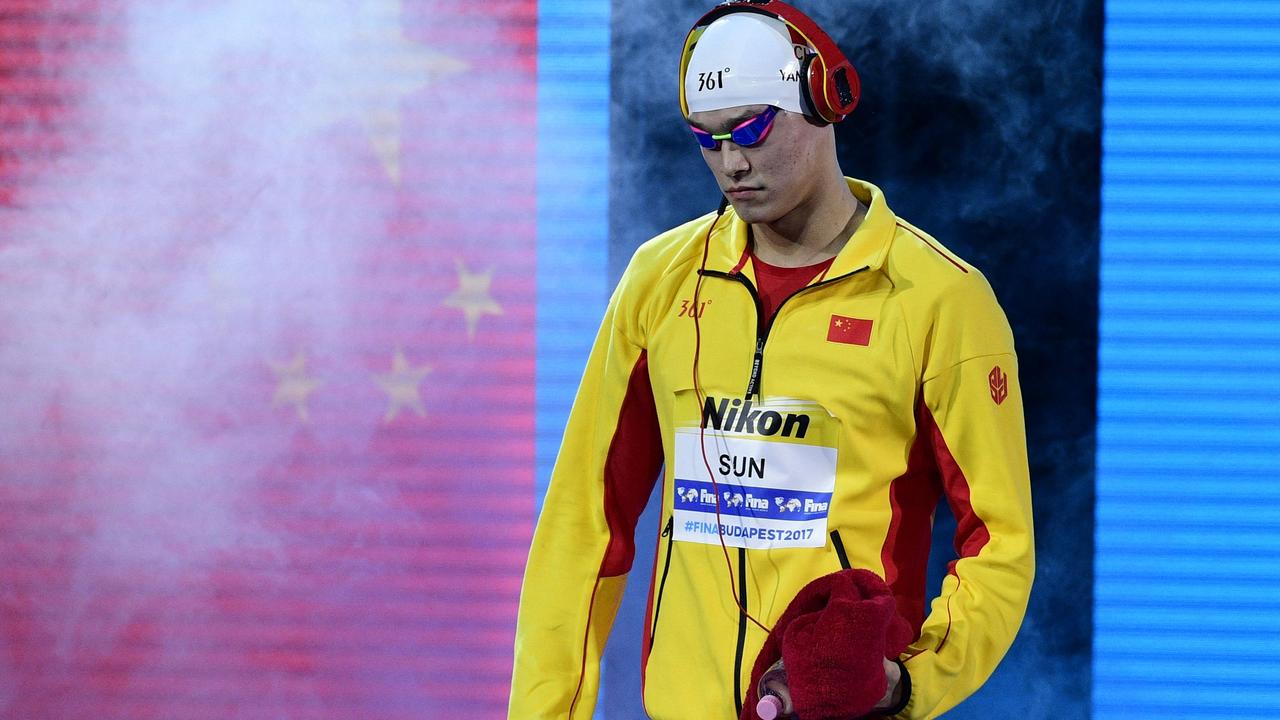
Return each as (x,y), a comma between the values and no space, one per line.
(769,707)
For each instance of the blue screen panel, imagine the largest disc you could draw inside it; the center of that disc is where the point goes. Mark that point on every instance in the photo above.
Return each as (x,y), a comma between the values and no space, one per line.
(1187,614)
(573,209)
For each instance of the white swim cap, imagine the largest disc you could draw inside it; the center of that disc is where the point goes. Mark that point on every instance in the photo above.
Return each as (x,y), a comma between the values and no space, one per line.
(744,58)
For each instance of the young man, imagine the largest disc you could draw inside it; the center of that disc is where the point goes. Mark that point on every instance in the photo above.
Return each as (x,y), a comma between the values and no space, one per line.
(813,373)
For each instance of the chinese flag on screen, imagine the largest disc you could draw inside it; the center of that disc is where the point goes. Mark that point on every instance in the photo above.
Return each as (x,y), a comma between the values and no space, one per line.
(266,356)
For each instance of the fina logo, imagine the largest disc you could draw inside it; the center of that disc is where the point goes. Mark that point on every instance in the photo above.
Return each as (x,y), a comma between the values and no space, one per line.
(689,494)
(736,416)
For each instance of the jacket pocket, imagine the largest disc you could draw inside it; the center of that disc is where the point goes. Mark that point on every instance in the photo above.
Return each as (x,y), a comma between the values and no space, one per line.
(662,582)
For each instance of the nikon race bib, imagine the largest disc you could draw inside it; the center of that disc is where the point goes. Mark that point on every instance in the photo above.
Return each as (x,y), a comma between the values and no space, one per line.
(774,467)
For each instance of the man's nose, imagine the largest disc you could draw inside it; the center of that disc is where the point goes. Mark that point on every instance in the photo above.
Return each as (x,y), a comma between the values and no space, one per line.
(733,160)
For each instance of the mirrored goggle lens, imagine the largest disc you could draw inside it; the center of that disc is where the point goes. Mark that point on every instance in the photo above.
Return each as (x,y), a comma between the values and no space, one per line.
(752,131)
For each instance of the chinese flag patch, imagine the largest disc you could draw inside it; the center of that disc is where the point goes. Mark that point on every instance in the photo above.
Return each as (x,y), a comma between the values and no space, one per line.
(848,330)
(999,384)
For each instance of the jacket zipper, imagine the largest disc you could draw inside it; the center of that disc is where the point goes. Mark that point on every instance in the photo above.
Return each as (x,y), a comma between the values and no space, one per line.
(662,584)
(742,632)
(753,388)
(839,546)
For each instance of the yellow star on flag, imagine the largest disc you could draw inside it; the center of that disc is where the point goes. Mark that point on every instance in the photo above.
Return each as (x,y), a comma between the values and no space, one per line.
(401,386)
(472,297)
(371,79)
(293,386)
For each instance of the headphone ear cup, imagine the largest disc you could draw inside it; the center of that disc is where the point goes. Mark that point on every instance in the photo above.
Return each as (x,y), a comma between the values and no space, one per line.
(811,79)
(844,88)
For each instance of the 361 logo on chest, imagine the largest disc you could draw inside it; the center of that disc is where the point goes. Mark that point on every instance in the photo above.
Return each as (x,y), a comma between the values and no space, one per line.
(687,309)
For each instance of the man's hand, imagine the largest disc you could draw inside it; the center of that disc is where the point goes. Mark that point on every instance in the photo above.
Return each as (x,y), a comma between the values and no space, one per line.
(893,694)
(778,686)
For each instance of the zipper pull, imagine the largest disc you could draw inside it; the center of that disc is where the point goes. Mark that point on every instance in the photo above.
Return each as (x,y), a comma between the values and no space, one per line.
(757,363)
(666,531)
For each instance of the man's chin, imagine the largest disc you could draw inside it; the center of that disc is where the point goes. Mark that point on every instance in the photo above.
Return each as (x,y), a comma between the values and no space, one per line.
(750,212)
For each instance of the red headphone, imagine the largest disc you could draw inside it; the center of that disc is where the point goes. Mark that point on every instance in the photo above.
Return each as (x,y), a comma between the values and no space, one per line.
(830,86)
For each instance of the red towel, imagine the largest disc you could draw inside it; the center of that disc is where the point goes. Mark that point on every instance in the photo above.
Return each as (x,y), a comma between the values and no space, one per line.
(833,639)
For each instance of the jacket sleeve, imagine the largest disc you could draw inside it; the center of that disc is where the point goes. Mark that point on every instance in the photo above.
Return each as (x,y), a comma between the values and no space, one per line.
(583,545)
(971,416)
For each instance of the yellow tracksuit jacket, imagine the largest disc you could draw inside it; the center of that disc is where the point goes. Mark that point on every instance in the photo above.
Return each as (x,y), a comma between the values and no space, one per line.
(829,435)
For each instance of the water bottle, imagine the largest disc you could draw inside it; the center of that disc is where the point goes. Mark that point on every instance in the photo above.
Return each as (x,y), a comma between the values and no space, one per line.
(771,705)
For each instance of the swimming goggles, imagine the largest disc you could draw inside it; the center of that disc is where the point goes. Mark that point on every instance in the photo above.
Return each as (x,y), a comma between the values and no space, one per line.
(751,132)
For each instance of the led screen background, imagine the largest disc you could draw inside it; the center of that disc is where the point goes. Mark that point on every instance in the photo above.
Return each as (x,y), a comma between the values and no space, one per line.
(294,295)
(1188,543)
(267,356)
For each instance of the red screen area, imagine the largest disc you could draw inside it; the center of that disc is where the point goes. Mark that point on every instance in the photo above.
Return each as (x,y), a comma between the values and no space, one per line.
(266,356)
